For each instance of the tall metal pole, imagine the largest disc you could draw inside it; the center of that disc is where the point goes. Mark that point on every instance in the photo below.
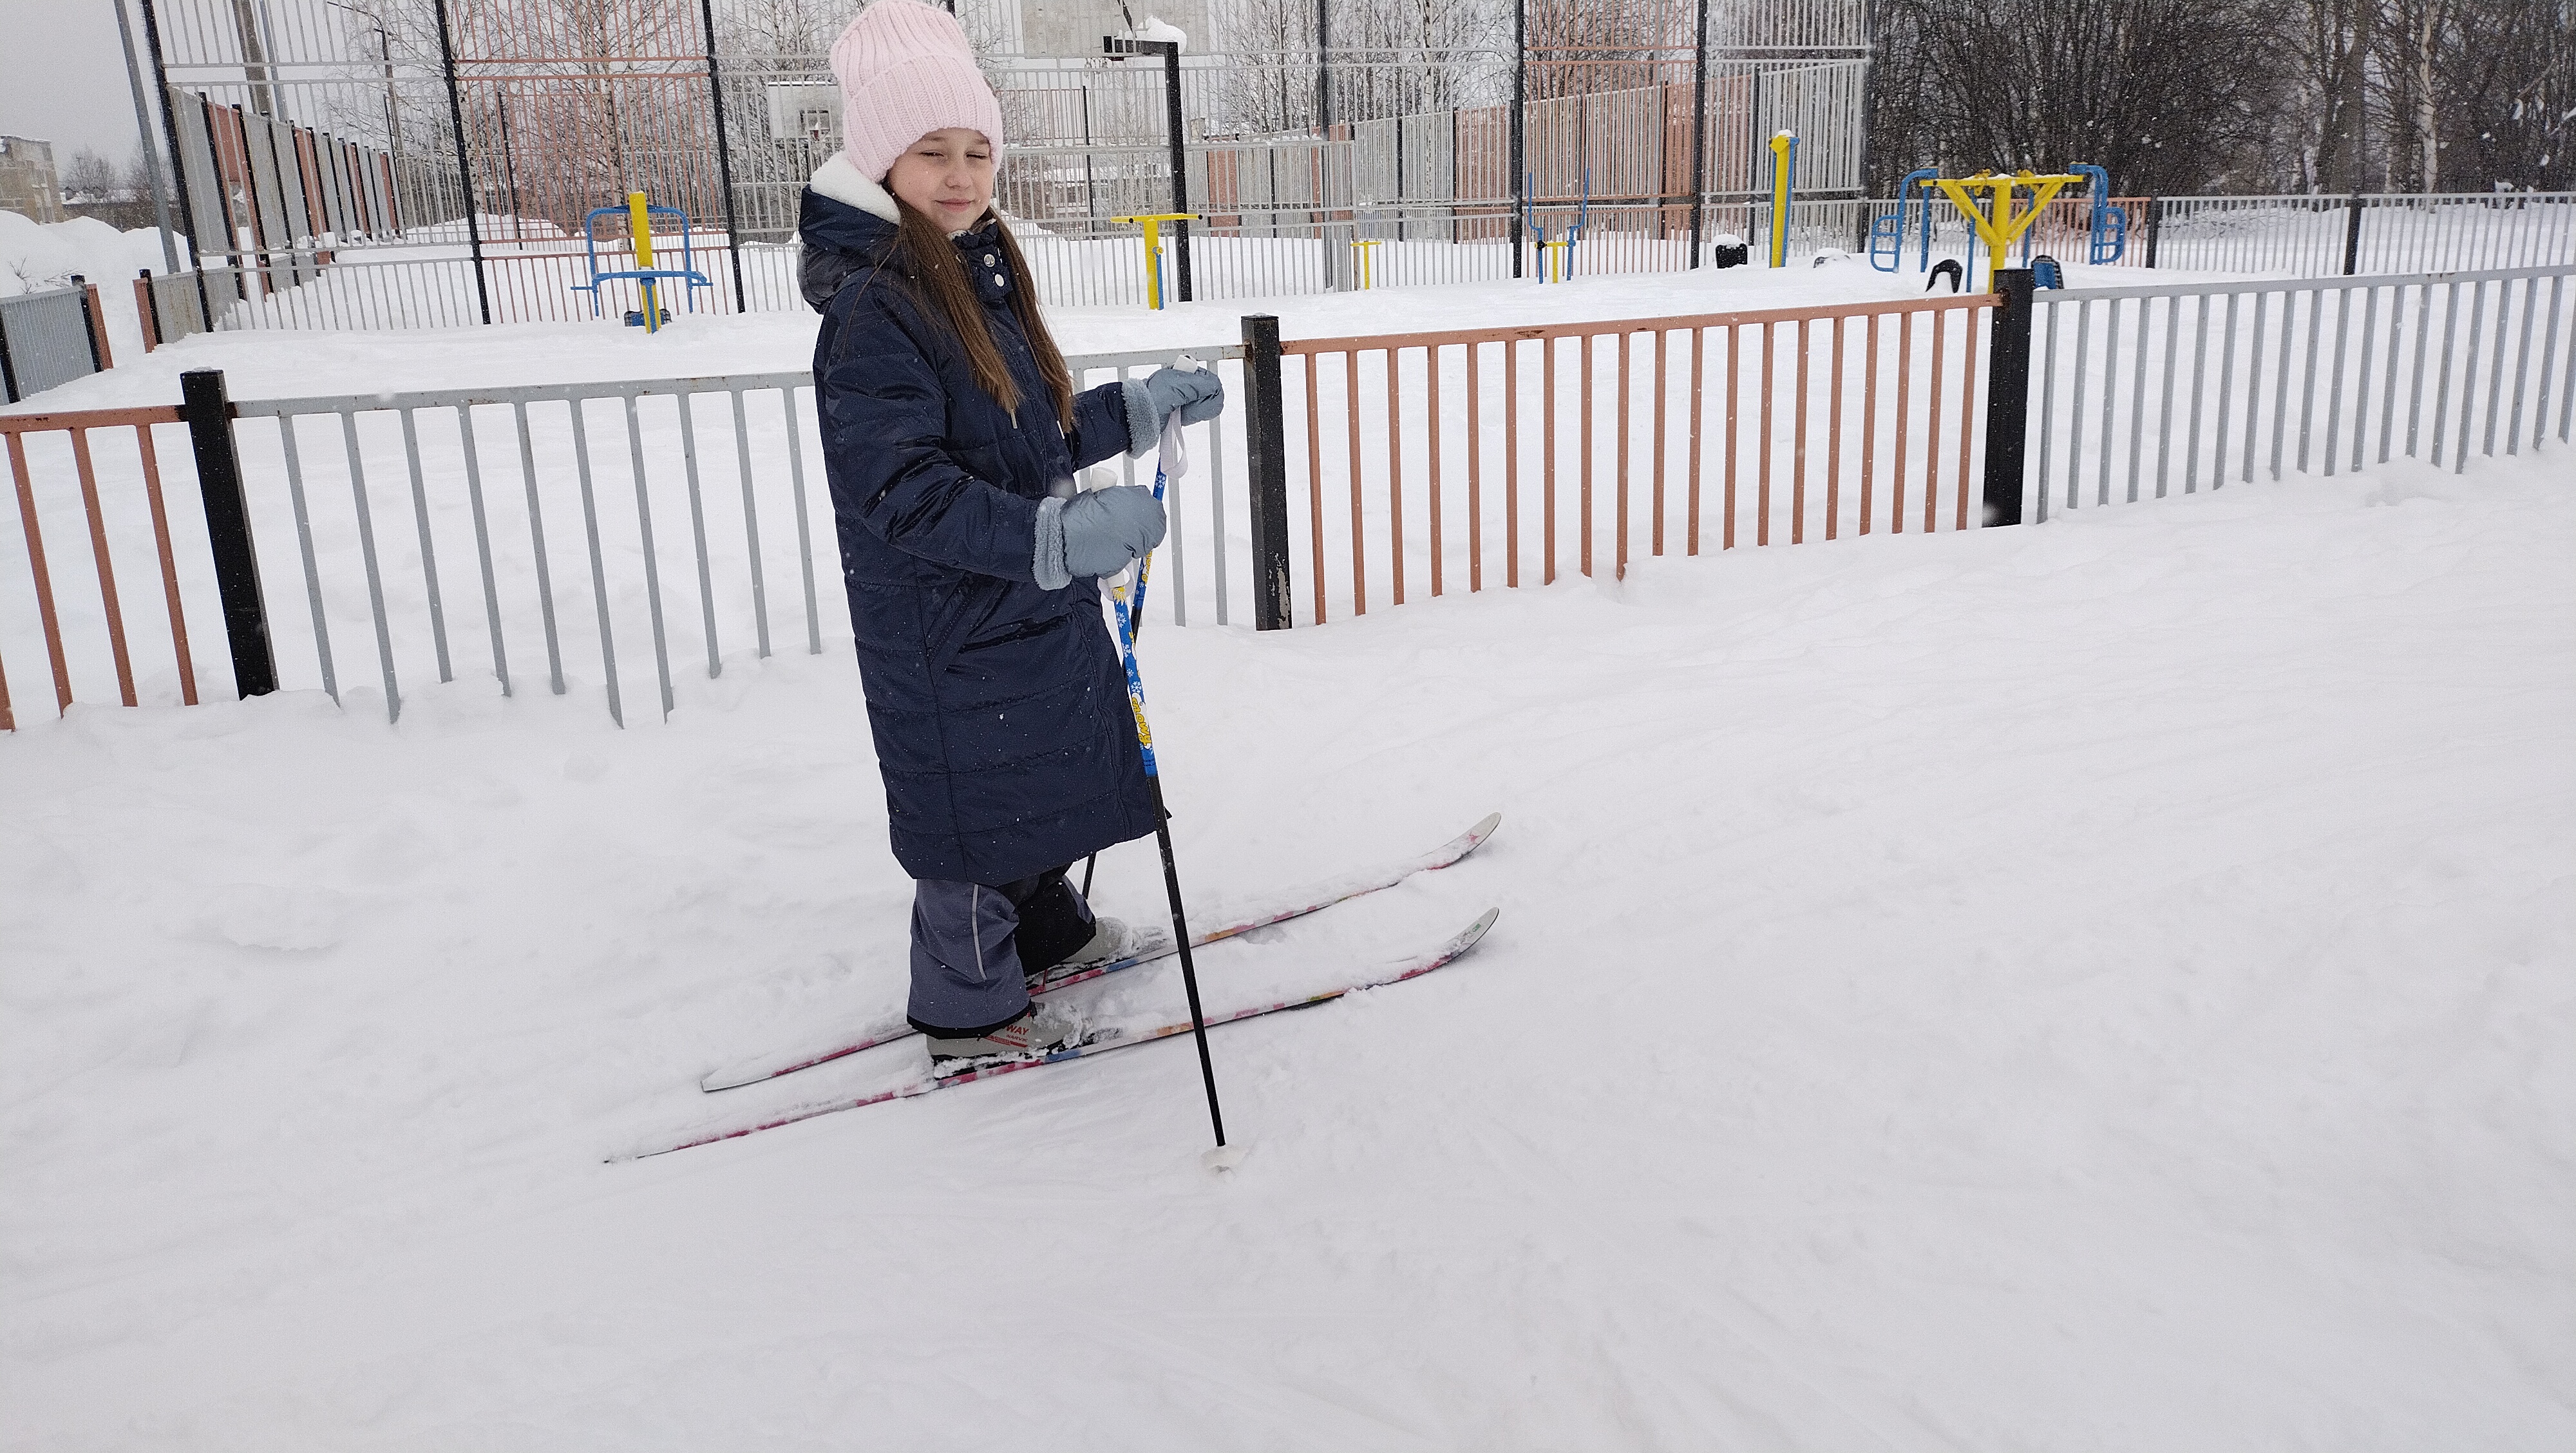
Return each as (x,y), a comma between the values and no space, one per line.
(464,165)
(255,58)
(1324,135)
(724,153)
(143,137)
(1323,69)
(1699,133)
(1868,73)
(1180,169)
(170,129)
(1520,105)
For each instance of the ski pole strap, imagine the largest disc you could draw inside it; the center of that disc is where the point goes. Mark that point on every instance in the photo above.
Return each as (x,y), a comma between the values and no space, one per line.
(1171,461)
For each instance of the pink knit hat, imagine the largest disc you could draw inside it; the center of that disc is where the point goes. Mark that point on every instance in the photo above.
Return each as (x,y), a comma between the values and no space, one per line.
(906,71)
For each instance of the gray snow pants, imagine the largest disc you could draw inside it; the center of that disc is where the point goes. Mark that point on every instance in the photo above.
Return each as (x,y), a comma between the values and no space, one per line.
(973,944)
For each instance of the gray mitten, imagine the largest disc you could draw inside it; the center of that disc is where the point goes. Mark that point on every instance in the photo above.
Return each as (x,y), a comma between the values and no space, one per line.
(1197,395)
(1095,534)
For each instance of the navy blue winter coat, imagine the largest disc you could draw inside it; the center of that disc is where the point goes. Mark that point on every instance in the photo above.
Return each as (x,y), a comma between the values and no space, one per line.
(999,708)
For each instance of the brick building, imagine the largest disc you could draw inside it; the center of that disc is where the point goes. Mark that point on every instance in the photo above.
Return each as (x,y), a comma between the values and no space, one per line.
(27,183)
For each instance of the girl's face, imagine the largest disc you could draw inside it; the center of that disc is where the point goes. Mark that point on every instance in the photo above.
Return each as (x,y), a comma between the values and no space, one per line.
(946,176)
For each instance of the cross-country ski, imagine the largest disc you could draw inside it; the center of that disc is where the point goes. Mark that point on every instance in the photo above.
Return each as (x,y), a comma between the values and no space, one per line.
(1092,1044)
(1297,903)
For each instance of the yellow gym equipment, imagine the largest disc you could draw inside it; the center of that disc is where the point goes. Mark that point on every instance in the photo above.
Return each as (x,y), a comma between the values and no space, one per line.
(1153,222)
(2003,220)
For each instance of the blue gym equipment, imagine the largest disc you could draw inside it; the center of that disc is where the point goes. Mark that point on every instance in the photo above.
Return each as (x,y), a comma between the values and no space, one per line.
(1564,260)
(647,277)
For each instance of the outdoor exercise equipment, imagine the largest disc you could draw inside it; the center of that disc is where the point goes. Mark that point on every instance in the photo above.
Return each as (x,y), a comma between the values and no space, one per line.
(1784,180)
(1560,261)
(2002,221)
(2107,228)
(1367,247)
(1153,222)
(2108,232)
(1887,233)
(647,277)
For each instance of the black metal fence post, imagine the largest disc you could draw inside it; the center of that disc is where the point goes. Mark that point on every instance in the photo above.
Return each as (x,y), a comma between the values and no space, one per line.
(90,321)
(464,163)
(724,149)
(8,365)
(2352,235)
(198,228)
(1180,163)
(1520,144)
(210,431)
(147,299)
(2008,394)
(1266,431)
(1699,133)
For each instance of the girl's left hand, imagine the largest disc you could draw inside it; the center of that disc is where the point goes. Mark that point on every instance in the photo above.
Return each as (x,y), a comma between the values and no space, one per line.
(1197,395)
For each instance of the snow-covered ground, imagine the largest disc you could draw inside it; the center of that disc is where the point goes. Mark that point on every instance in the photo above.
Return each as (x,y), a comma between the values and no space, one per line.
(2105,984)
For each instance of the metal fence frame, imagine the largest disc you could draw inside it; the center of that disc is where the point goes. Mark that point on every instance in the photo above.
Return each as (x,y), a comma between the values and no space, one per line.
(1666,410)
(2369,368)
(731,599)
(1758,412)
(50,338)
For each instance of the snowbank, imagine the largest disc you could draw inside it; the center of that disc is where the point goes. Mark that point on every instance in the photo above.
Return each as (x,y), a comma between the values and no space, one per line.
(35,256)
(39,255)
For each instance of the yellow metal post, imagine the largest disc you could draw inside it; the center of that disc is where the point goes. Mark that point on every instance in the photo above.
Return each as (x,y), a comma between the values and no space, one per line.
(1153,222)
(2000,224)
(1368,275)
(1784,170)
(639,220)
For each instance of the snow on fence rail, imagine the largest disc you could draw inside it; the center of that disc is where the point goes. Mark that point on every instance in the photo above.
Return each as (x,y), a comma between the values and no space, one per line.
(581,522)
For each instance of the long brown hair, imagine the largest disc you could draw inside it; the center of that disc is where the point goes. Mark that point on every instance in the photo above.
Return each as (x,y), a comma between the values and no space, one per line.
(933,260)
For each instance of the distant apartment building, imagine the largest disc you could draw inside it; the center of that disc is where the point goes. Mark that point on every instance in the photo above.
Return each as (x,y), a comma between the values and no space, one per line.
(27,183)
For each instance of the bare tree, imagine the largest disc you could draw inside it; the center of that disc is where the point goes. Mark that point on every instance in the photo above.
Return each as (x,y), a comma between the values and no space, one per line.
(2168,95)
(2332,43)
(89,177)
(2504,84)
(1585,46)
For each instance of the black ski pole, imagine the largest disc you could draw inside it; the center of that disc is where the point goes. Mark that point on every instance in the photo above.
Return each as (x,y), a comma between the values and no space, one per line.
(1219,1158)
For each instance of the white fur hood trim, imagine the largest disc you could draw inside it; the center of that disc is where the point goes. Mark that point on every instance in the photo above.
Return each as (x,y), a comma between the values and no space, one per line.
(837,179)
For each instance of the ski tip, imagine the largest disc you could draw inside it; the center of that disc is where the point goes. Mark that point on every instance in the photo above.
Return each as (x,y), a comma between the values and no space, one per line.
(1451,852)
(1474,932)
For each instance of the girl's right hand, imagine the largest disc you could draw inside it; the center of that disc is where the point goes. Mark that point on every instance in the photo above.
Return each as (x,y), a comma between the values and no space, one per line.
(1106,528)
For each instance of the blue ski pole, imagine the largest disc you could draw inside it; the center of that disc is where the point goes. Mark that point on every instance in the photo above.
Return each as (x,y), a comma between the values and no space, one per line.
(1170,463)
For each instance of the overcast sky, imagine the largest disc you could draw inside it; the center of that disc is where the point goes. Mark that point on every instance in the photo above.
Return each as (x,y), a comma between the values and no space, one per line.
(62,77)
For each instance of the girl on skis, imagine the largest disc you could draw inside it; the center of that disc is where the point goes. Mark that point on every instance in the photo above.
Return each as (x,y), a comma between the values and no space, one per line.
(951,436)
